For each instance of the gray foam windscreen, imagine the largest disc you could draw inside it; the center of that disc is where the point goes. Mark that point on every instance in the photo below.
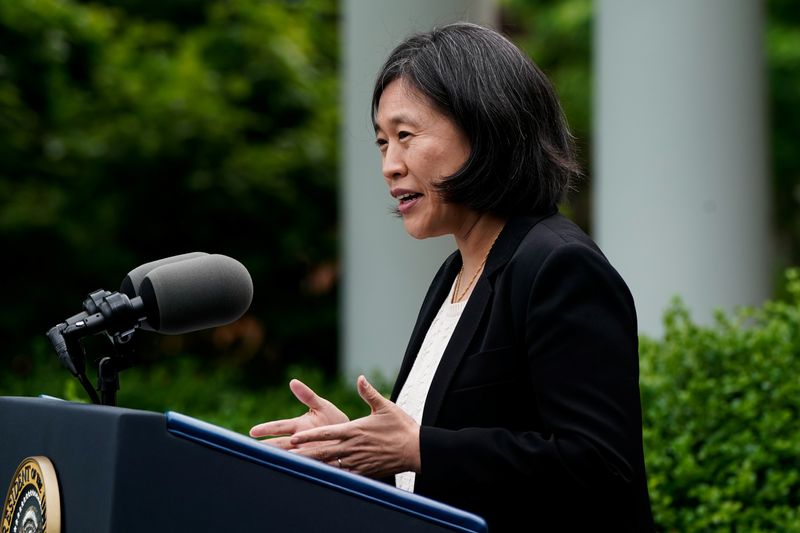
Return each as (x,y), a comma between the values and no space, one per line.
(194,294)
(130,285)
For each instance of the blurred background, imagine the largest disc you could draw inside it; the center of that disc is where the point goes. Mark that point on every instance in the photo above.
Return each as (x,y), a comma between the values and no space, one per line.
(132,130)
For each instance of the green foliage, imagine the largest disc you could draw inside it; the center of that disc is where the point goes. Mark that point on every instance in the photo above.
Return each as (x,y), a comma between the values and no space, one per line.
(720,419)
(783,63)
(216,395)
(131,131)
(208,391)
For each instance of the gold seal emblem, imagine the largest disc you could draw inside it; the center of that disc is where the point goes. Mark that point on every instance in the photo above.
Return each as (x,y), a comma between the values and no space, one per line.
(33,503)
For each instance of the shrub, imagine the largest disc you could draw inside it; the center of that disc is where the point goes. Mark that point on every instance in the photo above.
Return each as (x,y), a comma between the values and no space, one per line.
(207,390)
(722,442)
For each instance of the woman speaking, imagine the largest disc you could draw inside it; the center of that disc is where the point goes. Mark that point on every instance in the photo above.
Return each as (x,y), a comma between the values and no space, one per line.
(518,396)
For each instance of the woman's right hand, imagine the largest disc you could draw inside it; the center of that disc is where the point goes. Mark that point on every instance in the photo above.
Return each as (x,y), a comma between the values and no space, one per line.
(321,412)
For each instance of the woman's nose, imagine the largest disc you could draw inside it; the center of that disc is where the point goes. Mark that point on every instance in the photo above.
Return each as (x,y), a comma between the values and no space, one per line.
(393,164)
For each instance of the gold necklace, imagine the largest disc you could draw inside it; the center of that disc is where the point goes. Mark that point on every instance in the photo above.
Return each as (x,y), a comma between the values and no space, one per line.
(456,298)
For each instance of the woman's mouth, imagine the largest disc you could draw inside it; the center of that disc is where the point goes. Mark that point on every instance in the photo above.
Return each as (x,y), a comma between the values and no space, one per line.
(408,201)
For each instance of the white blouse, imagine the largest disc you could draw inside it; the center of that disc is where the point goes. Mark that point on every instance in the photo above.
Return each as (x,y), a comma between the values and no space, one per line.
(415,389)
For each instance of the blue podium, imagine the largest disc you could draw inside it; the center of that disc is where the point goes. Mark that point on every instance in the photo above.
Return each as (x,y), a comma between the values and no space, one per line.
(124,470)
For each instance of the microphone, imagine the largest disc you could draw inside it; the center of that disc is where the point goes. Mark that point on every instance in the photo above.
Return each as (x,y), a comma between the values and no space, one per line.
(130,285)
(179,294)
(193,294)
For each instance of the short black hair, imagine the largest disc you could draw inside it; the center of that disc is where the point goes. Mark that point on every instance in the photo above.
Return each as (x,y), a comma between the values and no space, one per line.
(522,157)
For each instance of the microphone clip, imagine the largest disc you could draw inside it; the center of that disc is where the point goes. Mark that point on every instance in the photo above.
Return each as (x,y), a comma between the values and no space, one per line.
(116,317)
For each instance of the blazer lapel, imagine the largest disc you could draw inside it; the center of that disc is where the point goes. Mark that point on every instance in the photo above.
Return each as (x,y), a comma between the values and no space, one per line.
(505,246)
(457,347)
(433,301)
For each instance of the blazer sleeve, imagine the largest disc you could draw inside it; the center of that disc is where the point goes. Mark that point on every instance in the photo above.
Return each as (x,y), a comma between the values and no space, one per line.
(581,353)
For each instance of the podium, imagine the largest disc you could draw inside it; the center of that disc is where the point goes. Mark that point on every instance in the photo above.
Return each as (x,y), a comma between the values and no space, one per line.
(123,470)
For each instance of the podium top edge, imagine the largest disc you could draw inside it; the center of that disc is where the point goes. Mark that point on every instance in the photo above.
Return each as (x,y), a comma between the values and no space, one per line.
(250,449)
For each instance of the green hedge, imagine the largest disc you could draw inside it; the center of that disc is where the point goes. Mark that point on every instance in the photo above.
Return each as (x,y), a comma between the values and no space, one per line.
(722,442)
(208,390)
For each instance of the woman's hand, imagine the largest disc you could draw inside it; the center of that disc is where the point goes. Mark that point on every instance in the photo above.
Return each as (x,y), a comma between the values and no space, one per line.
(321,412)
(383,443)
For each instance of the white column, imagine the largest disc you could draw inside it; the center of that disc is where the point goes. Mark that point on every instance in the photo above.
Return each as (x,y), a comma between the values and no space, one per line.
(681,203)
(385,272)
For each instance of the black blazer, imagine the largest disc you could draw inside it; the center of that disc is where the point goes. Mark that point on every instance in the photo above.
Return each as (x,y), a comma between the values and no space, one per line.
(533,418)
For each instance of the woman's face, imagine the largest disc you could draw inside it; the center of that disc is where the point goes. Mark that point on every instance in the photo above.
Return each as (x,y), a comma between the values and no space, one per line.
(419,146)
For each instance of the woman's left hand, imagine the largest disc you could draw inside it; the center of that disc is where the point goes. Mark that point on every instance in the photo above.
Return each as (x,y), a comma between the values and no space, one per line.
(382,443)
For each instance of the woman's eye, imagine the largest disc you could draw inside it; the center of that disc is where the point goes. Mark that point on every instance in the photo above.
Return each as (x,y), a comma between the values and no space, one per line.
(380,143)
(403,135)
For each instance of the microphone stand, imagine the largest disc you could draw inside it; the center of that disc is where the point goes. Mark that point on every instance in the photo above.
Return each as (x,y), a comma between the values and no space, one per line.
(109,367)
(107,381)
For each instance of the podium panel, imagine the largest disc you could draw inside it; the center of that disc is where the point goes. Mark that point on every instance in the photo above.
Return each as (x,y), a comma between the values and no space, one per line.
(123,470)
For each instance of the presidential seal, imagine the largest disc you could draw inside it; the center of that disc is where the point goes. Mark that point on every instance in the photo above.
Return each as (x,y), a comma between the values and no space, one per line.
(33,503)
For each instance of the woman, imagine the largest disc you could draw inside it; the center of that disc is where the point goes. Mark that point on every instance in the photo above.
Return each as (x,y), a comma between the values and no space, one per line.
(518,395)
